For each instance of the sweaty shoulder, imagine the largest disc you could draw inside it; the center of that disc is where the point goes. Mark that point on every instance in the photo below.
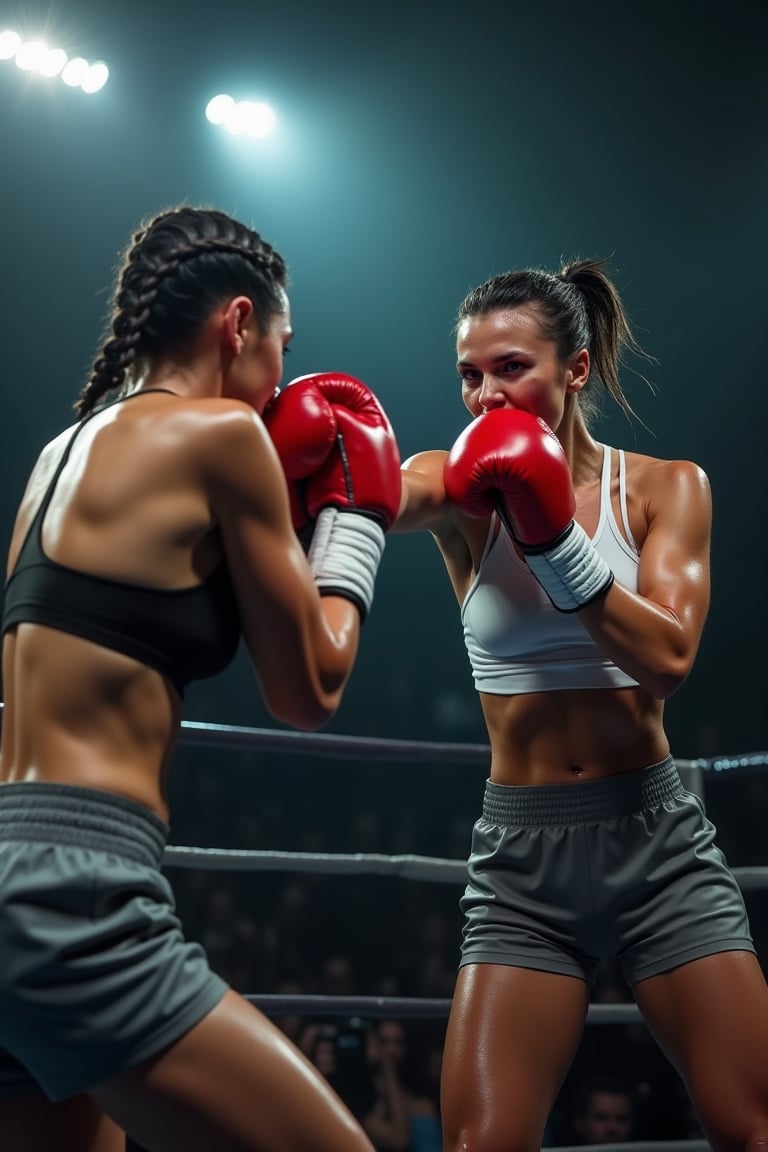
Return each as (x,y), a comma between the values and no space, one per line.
(235,452)
(226,428)
(668,491)
(652,476)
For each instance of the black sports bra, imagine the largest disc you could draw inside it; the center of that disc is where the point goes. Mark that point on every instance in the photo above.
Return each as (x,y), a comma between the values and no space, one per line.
(186,634)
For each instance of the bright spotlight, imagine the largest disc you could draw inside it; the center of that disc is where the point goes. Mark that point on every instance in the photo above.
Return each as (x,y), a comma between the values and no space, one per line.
(30,56)
(75,71)
(95,78)
(240,118)
(36,56)
(219,109)
(52,62)
(258,119)
(10,42)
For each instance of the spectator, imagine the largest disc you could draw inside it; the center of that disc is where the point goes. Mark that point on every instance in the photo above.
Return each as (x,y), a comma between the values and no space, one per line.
(388,1120)
(604,1111)
(406,1112)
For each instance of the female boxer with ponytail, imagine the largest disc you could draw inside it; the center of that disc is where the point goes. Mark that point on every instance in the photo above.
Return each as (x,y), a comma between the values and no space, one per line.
(151,536)
(582,573)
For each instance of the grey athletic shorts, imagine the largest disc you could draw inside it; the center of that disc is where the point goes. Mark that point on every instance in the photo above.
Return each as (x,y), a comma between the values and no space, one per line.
(95,973)
(563,877)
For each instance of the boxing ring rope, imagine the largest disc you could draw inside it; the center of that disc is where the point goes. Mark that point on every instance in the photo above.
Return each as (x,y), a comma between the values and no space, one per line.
(406,867)
(402,1008)
(432,869)
(634,1146)
(324,744)
(409,867)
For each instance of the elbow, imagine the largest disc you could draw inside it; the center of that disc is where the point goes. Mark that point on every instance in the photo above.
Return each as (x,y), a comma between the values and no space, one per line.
(314,721)
(303,719)
(662,687)
(307,715)
(664,680)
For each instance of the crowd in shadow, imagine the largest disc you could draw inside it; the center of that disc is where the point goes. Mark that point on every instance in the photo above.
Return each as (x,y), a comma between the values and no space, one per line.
(359,934)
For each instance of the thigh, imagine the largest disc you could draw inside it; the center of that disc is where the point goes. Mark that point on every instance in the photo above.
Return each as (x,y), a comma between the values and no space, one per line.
(512,1035)
(32,1123)
(710,1017)
(234,1082)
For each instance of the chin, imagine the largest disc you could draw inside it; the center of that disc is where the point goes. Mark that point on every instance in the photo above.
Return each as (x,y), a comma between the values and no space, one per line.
(264,403)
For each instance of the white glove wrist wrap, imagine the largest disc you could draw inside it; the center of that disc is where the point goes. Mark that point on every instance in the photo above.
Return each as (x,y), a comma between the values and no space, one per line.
(572,572)
(344,556)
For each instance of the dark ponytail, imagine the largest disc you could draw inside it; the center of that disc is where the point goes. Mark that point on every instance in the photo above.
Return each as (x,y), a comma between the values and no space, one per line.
(579,307)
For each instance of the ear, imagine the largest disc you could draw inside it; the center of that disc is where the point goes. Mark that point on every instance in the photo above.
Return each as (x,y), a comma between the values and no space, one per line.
(237,316)
(577,371)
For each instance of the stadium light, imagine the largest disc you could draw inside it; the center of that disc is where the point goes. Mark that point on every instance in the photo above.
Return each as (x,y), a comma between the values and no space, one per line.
(36,57)
(10,42)
(241,117)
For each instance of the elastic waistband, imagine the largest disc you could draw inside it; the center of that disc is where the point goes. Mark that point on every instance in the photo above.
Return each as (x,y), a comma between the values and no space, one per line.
(582,803)
(82,817)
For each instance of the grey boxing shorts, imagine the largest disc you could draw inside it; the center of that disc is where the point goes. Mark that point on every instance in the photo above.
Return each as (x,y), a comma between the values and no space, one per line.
(95,973)
(563,877)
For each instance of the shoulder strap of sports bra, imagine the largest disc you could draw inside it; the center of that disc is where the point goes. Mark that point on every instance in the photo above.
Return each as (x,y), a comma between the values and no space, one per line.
(37,519)
(623,498)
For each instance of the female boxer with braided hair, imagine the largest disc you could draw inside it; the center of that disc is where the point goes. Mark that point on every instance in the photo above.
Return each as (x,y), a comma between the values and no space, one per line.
(583,578)
(149,539)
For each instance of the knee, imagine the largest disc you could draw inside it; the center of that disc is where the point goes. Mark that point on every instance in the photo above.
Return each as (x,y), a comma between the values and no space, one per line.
(732,1140)
(491,1140)
(733,1125)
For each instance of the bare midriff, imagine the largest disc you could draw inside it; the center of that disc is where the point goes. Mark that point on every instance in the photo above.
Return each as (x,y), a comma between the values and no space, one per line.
(579,734)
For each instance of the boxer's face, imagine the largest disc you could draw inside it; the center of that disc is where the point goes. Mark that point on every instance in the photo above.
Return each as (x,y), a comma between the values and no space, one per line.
(257,370)
(504,361)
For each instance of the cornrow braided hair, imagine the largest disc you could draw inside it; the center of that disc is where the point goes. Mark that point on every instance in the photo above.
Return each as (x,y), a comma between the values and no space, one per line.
(178,268)
(578,307)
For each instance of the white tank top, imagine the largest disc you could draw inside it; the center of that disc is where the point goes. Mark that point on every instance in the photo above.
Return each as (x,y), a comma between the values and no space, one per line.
(516,640)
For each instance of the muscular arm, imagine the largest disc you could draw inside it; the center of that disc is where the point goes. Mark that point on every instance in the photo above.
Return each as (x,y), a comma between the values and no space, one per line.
(302,646)
(424,505)
(654,635)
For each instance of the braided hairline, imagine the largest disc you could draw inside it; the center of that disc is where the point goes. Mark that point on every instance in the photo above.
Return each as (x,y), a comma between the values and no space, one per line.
(264,258)
(119,351)
(149,279)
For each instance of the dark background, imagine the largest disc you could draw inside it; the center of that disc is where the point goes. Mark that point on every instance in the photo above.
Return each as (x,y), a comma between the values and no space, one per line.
(419,149)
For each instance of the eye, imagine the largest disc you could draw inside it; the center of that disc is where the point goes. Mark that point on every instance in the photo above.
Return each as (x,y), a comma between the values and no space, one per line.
(512,366)
(469,375)
(286,349)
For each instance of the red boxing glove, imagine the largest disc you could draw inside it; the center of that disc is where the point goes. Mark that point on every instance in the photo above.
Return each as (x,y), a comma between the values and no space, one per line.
(330,430)
(342,462)
(302,426)
(510,462)
(363,473)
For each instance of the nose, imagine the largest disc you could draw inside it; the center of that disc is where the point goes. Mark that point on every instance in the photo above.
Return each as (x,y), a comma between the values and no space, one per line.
(491,394)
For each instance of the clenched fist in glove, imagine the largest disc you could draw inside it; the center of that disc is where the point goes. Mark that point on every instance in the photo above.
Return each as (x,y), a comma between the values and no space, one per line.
(508,461)
(342,463)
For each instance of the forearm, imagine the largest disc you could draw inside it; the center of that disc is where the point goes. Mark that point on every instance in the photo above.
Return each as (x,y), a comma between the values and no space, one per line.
(648,642)
(337,650)
(423,502)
